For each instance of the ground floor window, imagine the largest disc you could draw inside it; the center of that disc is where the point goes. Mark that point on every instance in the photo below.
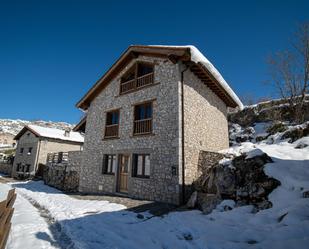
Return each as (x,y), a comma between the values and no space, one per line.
(109,164)
(18,167)
(27,168)
(141,165)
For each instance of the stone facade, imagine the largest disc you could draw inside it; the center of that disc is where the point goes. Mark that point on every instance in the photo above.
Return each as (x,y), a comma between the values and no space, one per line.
(205,127)
(40,148)
(162,145)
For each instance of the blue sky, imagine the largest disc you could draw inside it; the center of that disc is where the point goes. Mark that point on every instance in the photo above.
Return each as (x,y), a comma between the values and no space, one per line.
(52,52)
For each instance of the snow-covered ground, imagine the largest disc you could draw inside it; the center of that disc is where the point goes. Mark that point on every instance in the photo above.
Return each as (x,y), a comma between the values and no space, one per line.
(100,224)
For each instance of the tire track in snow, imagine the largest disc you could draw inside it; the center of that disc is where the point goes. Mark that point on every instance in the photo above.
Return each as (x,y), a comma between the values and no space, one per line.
(61,239)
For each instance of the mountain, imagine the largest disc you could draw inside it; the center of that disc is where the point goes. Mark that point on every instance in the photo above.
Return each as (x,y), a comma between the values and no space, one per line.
(12,126)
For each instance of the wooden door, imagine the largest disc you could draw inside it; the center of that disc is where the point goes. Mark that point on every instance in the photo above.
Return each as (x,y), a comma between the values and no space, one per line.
(123,173)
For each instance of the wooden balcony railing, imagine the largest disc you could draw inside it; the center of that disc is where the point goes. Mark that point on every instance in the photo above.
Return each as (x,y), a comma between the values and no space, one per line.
(143,126)
(58,157)
(111,131)
(144,80)
(139,82)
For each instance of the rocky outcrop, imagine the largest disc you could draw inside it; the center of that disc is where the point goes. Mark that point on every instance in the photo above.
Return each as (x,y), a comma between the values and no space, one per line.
(274,110)
(243,181)
(296,133)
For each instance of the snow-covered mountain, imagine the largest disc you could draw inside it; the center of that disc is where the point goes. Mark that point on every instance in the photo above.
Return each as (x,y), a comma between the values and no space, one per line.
(12,126)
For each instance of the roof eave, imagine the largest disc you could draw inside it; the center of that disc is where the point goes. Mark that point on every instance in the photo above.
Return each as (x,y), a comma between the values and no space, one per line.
(180,53)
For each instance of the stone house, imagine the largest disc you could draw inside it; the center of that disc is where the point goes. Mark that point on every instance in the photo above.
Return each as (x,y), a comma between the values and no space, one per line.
(148,118)
(35,142)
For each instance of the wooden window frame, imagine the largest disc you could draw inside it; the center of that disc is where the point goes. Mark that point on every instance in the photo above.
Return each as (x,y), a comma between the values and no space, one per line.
(134,81)
(112,125)
(105,164)
(135,165)
(150,119)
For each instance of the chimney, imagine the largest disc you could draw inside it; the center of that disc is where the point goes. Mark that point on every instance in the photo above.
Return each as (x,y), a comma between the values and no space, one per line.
(67,132)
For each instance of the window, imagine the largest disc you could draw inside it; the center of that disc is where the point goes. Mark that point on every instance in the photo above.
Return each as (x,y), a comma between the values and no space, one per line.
(112,124)
(27,168)
(141,165)
(21,151)
(18,167)
(29,151)
(143,119)
(109,164)
(140,75)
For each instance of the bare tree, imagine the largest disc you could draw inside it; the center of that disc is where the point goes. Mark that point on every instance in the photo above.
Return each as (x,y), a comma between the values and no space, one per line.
(290,72)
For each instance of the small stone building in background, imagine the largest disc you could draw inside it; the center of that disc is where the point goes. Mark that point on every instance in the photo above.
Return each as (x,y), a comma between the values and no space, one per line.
(35,142)
(148,118)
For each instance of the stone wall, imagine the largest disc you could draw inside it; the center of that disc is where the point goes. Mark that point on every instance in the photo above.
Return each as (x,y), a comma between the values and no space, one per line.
(64,176)
(206,126)
(6,168)
(206,161)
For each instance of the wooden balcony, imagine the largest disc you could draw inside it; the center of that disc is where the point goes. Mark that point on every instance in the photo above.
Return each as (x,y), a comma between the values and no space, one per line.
(58,157)
(111,131)
(143,126)
(139,82)
(144,80)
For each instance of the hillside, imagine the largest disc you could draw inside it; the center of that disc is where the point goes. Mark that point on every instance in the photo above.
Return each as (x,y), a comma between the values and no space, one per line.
(12,126)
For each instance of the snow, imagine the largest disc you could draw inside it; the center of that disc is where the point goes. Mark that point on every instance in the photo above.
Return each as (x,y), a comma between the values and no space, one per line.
(27,225)
(101,224)
(56,133)
(198,57)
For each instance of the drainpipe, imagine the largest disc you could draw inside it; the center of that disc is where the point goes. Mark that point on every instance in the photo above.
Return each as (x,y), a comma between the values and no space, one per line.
(183,134)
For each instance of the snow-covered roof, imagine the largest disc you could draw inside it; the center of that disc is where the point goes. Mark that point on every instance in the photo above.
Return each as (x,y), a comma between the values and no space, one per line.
(186,54)
(52,133)
(198,57)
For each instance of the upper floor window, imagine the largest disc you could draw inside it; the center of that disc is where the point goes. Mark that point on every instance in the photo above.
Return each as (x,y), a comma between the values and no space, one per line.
(109,164)
(29,151)
(142,119)
(112,124)
(140,75)
(21,151)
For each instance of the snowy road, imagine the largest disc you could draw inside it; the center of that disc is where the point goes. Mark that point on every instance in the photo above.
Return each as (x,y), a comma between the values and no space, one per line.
(29,229)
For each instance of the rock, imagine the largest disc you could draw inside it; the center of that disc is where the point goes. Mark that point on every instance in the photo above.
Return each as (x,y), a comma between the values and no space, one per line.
(301,145)
(276,127)
(245,182)
(306,194)
(296,133)
(192,201)
(264,205)
(207,202)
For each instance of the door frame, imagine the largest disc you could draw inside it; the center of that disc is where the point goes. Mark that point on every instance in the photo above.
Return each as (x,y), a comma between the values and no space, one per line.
(118,182)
